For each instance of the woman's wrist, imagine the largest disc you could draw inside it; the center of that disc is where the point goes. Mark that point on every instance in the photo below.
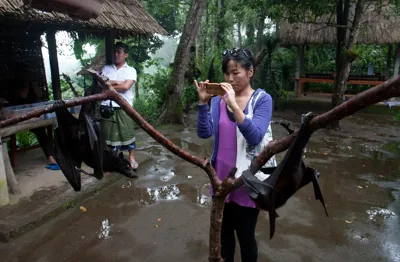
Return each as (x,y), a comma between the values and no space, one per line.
(236,108)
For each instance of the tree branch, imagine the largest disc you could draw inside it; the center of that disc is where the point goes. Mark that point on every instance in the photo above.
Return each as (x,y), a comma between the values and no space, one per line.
(354,29)
(69,82)
(384,91)
(260,56)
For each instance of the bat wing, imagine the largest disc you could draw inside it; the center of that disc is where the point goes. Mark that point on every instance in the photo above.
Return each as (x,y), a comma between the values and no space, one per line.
(96,147)
(263,192)
(100,135)
(65,160)
(257,189)
(317,189)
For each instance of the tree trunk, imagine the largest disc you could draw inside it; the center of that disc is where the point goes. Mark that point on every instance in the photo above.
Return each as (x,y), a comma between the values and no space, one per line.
(192,72)
(343,47)
(220,40)
(214,27)
(388,61)
(203,37)
(397,61)
(249,34)
(396,66)
(299,65)
(172,108)
(240,41)
(260,29)
(137,89)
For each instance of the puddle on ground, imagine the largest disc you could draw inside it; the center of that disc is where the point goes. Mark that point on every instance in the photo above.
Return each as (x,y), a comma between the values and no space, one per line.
(377,213)
(170,192)
(104,230)
(198,195)
(387,151)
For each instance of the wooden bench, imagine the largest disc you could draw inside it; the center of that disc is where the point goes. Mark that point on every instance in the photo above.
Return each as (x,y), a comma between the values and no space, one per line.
(14,149)
(303,80)
(8,134)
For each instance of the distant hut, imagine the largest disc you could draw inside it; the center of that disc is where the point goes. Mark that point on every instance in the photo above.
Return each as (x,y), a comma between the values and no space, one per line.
(379,25)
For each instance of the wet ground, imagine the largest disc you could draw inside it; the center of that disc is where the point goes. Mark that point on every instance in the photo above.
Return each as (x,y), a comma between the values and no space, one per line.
(164,215)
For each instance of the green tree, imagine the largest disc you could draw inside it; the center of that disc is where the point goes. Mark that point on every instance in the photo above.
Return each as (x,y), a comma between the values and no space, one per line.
(172,108)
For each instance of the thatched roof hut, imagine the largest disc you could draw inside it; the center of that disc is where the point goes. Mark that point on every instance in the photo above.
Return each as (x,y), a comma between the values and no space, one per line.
(126,17)
(378,26)
(21,27)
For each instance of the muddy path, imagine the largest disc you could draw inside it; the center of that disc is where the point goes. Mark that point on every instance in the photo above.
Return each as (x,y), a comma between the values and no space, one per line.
(164,214)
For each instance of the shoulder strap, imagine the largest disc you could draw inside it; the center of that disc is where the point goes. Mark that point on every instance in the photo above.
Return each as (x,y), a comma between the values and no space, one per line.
(253,100)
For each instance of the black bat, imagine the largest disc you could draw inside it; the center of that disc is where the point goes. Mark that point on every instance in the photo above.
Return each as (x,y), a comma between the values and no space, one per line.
(80,140)
(286,179)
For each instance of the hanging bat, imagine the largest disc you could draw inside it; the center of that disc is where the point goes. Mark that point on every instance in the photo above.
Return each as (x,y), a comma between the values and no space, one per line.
(286,179)
(78,141)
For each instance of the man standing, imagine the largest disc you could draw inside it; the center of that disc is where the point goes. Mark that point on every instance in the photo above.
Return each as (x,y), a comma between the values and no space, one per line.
(119,132)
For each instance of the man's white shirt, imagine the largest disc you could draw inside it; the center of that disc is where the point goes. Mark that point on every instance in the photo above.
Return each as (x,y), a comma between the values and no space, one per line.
(126,72)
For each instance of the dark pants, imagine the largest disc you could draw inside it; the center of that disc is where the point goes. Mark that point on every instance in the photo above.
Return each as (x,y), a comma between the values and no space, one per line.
(44,140)
(241,220)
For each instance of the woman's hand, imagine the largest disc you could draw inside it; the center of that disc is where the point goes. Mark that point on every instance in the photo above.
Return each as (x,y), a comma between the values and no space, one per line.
(204,97)
(229,97)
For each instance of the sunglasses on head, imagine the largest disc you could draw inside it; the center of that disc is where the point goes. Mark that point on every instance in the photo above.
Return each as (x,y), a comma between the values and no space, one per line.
(235,52)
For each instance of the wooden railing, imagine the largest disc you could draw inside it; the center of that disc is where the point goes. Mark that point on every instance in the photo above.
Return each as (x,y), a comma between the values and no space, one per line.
(353,80)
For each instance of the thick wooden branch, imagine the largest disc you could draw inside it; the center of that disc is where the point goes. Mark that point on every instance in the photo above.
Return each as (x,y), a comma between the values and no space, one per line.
(52,108)
(384,91)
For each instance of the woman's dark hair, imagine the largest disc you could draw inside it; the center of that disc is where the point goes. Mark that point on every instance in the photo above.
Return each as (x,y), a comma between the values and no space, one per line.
(242,56)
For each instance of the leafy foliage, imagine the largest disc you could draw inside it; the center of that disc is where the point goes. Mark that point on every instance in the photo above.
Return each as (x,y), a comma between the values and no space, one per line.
(152,96)
(79,83)
(26,139)
(256,22)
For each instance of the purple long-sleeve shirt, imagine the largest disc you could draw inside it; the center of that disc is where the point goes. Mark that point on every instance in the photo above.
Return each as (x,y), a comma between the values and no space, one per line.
(253,130)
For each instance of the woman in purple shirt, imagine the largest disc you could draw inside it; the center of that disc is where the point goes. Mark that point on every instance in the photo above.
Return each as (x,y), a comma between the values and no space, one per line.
(239,122)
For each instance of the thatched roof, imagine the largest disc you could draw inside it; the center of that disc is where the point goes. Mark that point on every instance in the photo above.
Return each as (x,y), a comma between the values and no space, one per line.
(377,27)
(127,17)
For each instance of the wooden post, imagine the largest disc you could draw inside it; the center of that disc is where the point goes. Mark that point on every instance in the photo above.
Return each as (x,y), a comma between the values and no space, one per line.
(299,68)
(109,43)
(55,72)
(4,198)
(388,61)
(13,148)
(11,180)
